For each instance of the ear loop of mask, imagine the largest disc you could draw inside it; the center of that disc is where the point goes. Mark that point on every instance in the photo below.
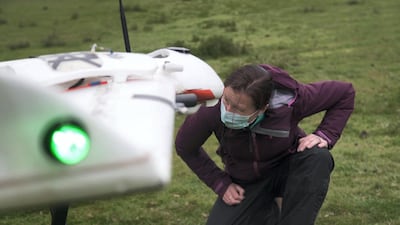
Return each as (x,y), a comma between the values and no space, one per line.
(259,118)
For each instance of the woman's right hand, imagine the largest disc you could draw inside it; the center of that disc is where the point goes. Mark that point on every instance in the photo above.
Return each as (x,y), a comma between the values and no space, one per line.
(233,195)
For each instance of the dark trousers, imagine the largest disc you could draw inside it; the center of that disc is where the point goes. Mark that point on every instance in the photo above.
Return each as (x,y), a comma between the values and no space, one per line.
(59,214)
(303,178)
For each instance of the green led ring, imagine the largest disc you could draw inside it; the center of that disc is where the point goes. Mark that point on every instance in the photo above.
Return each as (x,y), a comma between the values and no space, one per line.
(68,143)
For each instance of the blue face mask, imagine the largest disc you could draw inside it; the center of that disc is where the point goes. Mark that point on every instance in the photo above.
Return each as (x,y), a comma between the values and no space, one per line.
(237,121)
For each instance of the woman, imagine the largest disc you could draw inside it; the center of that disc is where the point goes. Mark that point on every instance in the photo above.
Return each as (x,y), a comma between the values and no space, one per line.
(274,173)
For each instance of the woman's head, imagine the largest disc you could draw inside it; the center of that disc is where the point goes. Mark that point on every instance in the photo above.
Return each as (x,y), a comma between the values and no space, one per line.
(253,81)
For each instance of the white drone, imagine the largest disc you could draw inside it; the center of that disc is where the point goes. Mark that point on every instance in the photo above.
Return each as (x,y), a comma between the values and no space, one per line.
(82,125)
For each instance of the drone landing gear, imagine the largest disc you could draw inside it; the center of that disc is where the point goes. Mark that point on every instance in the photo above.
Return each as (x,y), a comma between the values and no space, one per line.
(59,214)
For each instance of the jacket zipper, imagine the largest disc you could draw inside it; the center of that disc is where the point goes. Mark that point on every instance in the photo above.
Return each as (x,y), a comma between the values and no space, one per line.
(253,146)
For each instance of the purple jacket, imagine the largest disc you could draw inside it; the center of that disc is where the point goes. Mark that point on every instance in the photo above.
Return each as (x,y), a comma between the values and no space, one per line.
(248,154)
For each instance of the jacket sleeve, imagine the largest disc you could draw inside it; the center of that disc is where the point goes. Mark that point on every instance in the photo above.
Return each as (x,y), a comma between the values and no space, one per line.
(195,130)
(336,98)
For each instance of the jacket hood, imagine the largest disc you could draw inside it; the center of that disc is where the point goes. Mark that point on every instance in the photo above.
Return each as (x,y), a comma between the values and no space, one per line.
(281,77)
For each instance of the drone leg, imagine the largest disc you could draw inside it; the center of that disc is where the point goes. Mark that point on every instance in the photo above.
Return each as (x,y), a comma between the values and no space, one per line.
(59,214)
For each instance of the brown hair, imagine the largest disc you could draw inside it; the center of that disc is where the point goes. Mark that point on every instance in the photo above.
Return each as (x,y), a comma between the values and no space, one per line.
(254,81)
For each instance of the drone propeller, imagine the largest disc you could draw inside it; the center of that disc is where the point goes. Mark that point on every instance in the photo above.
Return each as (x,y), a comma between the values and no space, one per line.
(124,27)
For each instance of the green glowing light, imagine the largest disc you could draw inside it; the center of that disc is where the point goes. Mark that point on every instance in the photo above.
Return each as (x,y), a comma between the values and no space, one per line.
(69,144)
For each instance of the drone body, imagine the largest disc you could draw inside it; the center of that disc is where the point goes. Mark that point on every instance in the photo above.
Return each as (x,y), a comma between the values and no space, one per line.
(81,125)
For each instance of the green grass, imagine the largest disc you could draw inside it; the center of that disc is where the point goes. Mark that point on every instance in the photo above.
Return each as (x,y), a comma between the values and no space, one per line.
(350,40)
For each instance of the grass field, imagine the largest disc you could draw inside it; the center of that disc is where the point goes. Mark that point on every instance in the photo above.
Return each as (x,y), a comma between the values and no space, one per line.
(351,40)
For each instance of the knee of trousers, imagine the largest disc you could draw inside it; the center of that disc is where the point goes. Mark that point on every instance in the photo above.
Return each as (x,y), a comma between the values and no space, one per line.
(323,157)
(316,159)
(310,172)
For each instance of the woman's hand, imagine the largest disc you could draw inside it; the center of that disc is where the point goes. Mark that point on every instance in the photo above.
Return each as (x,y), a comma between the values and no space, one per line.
(233,195)
(310,141)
